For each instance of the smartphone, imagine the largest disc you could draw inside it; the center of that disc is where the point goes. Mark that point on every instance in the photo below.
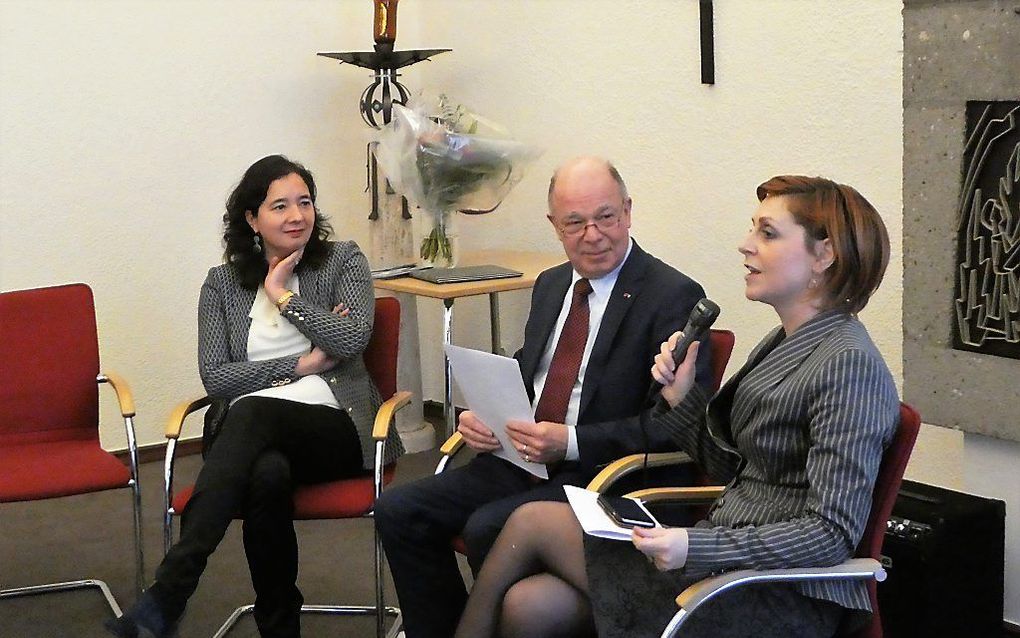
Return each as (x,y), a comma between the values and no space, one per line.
(626,512)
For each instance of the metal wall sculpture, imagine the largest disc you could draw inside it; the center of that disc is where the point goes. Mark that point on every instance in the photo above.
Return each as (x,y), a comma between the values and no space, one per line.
(987,294)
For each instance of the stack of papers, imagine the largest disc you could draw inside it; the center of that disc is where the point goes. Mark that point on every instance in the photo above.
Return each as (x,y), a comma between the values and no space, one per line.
(494,390)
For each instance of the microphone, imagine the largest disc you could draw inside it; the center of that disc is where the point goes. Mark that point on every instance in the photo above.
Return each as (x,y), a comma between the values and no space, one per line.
(702,316)
(700,320)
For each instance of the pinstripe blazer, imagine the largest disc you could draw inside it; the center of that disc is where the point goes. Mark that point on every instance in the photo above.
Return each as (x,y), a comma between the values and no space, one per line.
(223,325)
(798,434)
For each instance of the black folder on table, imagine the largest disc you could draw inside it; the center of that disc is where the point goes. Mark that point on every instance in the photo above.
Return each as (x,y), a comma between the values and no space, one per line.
(464,273)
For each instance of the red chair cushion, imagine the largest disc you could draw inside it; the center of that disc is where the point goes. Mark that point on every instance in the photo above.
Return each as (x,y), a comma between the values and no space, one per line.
(347,498)
(62,468)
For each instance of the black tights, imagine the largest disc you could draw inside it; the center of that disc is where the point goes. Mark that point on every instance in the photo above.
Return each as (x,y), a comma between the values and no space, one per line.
(533,583)
(265,446)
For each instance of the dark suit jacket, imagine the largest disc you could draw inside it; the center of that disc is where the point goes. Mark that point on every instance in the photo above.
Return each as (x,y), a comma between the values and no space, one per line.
(649,302)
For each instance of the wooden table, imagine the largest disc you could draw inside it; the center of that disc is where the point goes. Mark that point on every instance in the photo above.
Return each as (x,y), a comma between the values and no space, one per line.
(529,263)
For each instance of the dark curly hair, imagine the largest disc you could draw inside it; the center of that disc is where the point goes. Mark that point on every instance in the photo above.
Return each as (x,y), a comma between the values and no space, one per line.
(248,195)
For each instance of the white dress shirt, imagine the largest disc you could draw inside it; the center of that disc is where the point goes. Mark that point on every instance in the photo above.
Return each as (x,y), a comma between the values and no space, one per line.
(601,289)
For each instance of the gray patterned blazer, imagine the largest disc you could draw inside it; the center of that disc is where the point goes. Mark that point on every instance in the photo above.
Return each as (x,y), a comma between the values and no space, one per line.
(798,434)
(223,325)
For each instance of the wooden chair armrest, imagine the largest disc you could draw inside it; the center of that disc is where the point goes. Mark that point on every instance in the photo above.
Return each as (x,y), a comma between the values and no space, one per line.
(384,416)
(630,464)
(692,495)
(180,412)
(853,569)
(452,444)
(125,399)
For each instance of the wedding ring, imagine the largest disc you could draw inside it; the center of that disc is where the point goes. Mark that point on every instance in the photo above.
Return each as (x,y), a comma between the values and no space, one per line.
(525,449)
(527,458)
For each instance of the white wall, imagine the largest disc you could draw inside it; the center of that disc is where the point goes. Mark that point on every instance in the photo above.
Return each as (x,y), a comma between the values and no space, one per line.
(808,87)
(123,125)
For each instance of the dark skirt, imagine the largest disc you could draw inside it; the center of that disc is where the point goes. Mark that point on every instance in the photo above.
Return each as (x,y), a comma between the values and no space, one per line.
(631,599)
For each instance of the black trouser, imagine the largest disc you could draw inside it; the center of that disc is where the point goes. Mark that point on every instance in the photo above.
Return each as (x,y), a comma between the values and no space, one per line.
(417,522)
(264,448)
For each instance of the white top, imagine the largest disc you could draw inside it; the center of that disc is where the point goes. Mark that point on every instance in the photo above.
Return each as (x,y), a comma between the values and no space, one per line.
(601,289)
(270,337)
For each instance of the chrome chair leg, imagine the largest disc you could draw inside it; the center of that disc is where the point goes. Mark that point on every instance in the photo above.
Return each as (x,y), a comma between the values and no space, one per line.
(136,502)
(33,590)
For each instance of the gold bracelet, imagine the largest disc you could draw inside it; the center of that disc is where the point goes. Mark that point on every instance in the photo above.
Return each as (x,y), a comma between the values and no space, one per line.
(284,298)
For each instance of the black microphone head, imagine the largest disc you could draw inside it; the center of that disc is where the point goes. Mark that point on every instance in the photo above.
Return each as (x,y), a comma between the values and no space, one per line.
(704,314)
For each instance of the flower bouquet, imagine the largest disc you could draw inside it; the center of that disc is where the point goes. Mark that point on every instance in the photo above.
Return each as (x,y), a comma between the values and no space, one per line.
(447,159)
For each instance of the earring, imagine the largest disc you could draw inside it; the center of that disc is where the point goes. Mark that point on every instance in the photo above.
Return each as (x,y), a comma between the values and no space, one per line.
(256,246)
(813,283)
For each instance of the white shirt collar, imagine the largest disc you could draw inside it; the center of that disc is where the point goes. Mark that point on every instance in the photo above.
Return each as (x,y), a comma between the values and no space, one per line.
(603,286)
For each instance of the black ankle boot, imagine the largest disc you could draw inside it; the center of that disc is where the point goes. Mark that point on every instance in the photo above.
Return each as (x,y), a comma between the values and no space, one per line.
(143,620)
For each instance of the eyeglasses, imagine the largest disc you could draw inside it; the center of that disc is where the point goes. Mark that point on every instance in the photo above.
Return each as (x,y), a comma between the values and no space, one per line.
(575,227)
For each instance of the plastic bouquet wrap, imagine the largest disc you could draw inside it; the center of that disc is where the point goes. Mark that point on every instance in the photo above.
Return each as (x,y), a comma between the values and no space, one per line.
(446,159)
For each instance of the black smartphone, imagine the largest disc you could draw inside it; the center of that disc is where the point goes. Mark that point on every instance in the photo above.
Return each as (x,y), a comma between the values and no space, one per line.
(626,512)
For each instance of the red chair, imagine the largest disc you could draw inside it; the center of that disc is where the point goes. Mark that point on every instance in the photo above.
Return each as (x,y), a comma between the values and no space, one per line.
(722,347)
(864,566)
(343,499)
(49,412)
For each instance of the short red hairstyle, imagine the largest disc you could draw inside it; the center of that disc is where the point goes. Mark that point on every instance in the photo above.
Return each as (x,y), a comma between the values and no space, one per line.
(860,242)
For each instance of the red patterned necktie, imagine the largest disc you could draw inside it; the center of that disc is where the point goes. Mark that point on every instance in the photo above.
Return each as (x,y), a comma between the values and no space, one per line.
(566,361)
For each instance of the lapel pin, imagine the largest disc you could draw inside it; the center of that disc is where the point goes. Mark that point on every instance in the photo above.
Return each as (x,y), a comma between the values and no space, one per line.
(626,295)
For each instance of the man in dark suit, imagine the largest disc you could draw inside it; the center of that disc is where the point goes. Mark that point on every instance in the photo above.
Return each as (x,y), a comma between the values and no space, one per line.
(595,326)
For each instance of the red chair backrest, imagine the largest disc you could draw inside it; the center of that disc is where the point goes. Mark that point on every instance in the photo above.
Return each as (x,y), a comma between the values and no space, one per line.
(887,484)
(381,354)
(887,487)
(722,348)
(49,359)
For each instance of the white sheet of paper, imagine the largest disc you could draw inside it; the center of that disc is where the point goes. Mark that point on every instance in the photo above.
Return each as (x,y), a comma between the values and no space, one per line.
(494,390)
(593,520)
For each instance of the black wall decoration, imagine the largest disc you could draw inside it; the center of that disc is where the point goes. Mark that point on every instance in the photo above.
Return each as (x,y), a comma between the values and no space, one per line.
(987,291)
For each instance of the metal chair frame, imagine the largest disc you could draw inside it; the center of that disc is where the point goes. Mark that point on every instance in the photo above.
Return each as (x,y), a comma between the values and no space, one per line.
(126,402)
(380,610)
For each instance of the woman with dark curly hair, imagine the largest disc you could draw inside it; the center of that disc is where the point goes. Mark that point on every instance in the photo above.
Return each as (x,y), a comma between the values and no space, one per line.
(282,325)
(797,435)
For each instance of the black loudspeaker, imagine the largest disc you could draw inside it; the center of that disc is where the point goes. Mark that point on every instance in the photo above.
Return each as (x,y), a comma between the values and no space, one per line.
(944,556)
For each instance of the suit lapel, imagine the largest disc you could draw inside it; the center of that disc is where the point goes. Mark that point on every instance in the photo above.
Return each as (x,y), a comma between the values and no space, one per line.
(625,291)
(721,405)
(779,361)
(240,313)
(544,311)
